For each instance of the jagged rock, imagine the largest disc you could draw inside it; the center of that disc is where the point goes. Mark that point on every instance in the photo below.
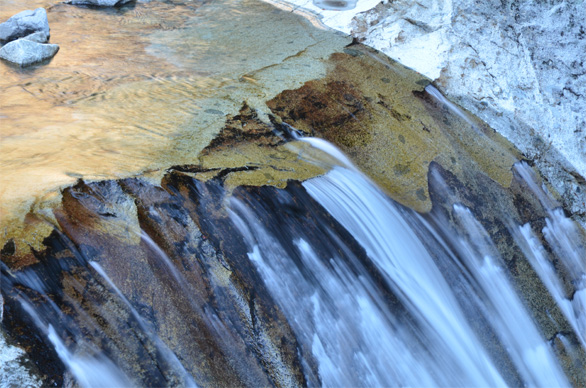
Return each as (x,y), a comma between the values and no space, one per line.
(100,3)
(25,52)
(172,251)
(23,24)
(475,47)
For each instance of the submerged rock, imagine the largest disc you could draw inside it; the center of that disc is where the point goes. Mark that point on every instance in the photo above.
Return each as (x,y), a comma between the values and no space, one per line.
(100,3)
(23,24)
(25,52)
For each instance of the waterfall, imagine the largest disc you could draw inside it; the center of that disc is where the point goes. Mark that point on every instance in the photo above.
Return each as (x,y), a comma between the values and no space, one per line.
(375,294)
(409,269)
(355,335)
(164,224)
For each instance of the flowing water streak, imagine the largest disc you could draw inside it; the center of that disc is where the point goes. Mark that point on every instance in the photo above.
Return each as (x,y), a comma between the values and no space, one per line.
(452,354)
(513,324)
(573,309)
(338,315)
(331,150)
(90,371)
(409,269)
(94,369)
(562,234)
(366,213)
(439,97)
(170,357)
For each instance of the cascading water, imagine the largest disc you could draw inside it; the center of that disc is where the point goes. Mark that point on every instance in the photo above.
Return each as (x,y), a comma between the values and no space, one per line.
(351,330)
(389,300)
(355,335)
(563,235)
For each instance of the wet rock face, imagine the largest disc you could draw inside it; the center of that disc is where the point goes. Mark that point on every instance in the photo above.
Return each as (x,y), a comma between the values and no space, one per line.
(16,369)
(314,109)
(244,127)
(177,41)
(193,289)
(23,24)
(248,151)
(379,113)
(189,286)
(501,211)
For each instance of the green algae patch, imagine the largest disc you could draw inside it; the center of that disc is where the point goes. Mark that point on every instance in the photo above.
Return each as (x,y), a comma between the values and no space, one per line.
(377,112)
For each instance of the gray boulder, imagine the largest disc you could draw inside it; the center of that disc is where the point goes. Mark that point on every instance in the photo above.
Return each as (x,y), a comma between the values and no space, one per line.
(24,52)
(100,3)
(24,23)
(39,37)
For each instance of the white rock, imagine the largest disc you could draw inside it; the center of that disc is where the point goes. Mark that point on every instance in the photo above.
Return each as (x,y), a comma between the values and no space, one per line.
(338,20)
(39,37)
(12,372)
(24,52)
(24,23)
(100,3)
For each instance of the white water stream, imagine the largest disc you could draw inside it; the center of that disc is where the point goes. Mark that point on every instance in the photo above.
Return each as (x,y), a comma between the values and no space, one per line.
(351,330)
(562,234)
